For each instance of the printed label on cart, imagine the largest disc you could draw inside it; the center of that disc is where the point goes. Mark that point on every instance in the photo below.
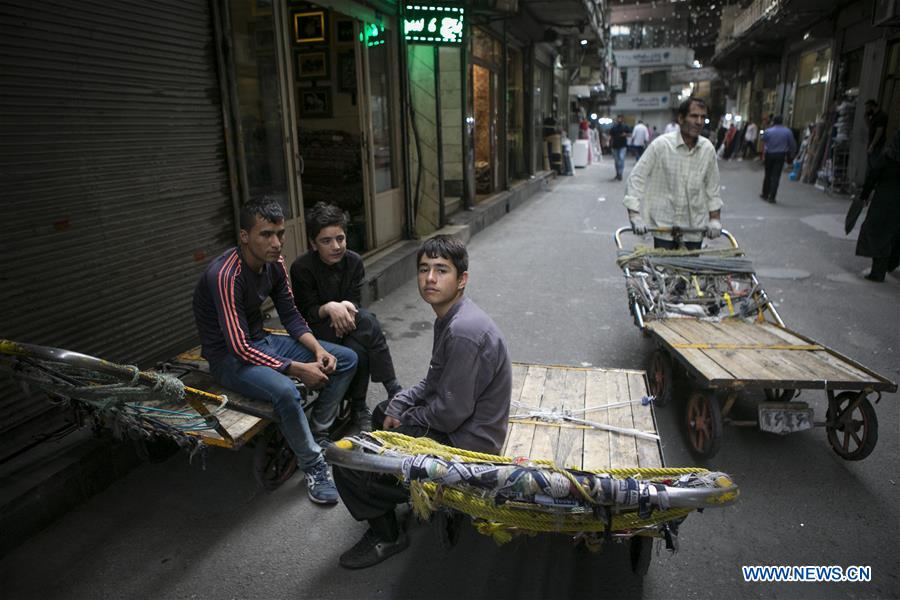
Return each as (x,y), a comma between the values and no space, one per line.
(784,418)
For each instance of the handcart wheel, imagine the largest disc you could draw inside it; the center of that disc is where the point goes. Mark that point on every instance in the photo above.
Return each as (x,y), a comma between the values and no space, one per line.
(853,436)
(661,376)
(641,550)
(704,424)
(779,395)
(273,460)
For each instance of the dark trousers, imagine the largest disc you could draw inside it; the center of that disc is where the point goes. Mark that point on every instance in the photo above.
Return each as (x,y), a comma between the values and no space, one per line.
(881,265)
(671,245)
(372,496)
(374,356)
(749,149)
(774,167)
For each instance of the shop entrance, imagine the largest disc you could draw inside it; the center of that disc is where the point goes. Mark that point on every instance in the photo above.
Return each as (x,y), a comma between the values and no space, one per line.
(485,148)
(487,55)
(347,118)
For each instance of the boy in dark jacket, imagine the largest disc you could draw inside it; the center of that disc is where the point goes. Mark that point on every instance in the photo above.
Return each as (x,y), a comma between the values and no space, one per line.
(327,283)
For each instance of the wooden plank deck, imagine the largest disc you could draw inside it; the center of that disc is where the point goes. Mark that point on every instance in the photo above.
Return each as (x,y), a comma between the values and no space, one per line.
(735,353)
(577,389)
(238,423)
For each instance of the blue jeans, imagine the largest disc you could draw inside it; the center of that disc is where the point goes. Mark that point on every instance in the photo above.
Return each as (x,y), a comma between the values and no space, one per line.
(268,385)
(619,156)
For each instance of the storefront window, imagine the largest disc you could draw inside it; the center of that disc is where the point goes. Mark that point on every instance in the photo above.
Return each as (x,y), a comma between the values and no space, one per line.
(260,103)
(812,78)
(379,86)
(537,115)
(655,81)
(487,54)
(515,116)
(486,47)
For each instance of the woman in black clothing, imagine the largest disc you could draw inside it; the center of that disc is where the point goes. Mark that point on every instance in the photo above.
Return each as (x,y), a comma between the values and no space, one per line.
(879,236)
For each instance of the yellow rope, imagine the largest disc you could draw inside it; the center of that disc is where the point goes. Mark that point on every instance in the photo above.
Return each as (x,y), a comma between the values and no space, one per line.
(422,445)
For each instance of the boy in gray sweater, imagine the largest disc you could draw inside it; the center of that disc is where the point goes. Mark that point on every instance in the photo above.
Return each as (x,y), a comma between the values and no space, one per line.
(463,401)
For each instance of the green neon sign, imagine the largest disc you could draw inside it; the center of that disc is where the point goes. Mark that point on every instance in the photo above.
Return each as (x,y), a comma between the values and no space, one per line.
(372,35)
(433,24)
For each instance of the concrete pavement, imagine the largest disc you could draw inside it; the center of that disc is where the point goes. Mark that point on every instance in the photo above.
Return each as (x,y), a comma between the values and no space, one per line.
(546,274)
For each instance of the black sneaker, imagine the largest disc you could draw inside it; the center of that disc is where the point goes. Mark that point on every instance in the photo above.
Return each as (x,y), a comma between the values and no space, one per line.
(363,418)
(370,550)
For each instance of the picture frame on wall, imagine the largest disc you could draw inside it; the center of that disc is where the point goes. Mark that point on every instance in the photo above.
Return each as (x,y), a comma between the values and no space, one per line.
(314,102)
(312,65)
(343,32)
(346,72)
(310,27)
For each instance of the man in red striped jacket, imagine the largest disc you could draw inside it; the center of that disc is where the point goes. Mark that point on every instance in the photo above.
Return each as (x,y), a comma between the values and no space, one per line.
(243,358)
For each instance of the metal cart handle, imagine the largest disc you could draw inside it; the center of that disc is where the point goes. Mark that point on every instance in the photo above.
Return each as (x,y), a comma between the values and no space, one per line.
(618,234)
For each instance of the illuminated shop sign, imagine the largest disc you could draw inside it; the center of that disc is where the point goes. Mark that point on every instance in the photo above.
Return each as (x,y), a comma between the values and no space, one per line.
(372,35)
(433,24)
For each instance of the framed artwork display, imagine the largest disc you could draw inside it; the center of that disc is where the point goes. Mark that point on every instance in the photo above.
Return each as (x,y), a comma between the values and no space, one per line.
(312,65)
(314,102)
(310,27)
(343,31)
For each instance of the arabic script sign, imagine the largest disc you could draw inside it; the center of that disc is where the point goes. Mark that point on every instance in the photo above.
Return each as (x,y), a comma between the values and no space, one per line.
(654,57)
(643,101)
(434,24)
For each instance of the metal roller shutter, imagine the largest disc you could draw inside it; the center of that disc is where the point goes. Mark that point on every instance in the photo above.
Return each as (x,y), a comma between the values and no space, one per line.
(114,183)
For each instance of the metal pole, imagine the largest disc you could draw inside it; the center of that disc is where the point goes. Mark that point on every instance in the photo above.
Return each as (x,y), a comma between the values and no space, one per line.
(468,200)
(438,119)
(410,225)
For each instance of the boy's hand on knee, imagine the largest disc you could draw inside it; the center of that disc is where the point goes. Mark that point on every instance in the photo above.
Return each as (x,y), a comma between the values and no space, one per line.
(391,422)
(326,362)
(310,374)
(343,319)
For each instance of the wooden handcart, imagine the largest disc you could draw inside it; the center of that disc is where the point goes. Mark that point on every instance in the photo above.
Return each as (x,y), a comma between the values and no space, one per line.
(722,357)
(175,405)
(581,420)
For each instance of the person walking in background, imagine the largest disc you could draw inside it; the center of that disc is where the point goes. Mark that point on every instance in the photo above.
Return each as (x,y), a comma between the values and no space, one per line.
(877,121)
(779,147)
(671,126)
(640,137)
(879,236)
(750,140)
(618,134)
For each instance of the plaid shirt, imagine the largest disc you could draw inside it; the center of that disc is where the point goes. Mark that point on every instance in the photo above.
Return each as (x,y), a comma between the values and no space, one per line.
(673,185)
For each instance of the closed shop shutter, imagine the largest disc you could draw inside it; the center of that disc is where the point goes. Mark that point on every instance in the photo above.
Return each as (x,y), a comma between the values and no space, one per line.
(114,186)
